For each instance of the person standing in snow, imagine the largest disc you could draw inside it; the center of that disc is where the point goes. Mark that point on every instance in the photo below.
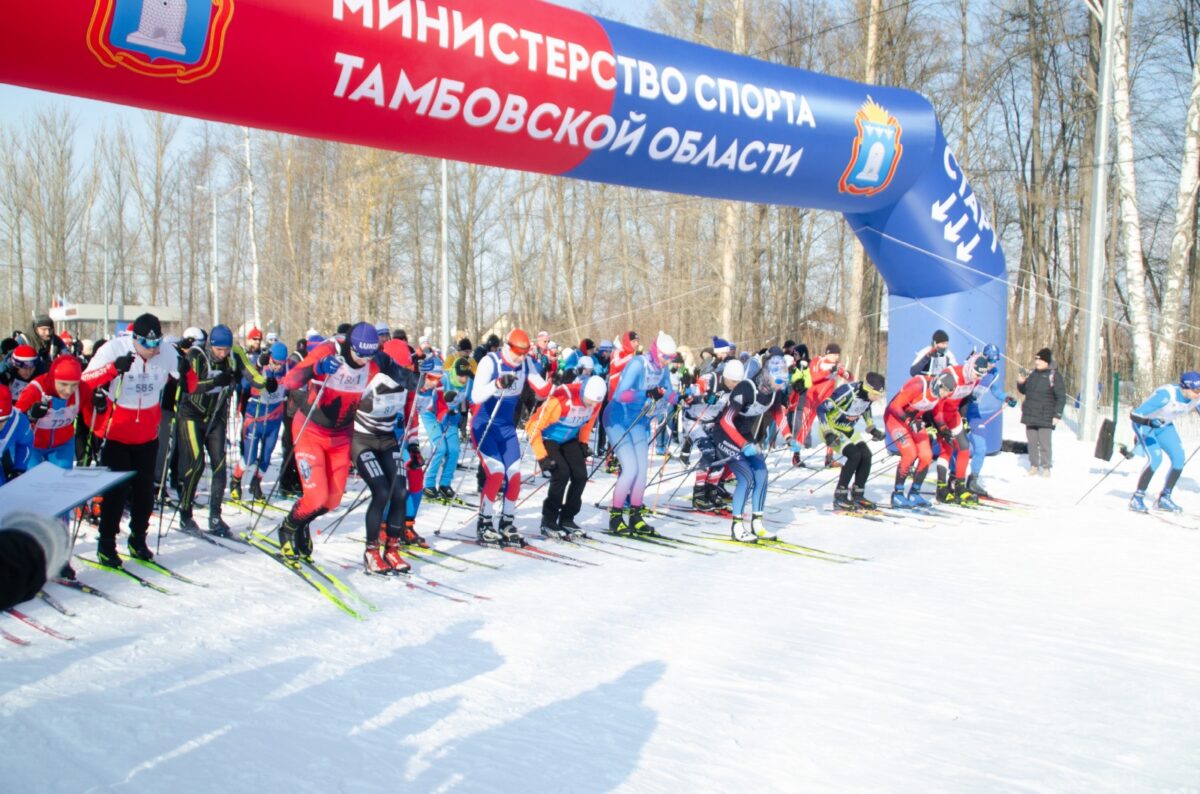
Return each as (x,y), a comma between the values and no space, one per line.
(1154,426)
(1045,397)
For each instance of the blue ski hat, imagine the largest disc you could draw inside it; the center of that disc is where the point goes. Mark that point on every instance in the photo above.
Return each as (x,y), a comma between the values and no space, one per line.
(720,345)
(311,341)
(364,340)
(606,346)
(1190,380)
(279,352)
(431,365)
(220,336)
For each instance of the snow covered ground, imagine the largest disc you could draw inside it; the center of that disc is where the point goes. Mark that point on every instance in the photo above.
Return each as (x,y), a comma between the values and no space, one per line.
(1050,650)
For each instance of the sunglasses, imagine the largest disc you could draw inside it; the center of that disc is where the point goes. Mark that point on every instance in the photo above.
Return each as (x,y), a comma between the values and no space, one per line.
(149,342)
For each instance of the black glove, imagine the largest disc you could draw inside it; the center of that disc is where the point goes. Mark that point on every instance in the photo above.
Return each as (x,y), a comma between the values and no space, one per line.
(271,385)
(657,393)
(99,402)
(876,434)
(414,457)
(506,380)
(450,396)
(548,464)
(6,377)
(123,363)
(185,367)
(38,410)
(944,435)
(830,438)
(184,344)
(221,378)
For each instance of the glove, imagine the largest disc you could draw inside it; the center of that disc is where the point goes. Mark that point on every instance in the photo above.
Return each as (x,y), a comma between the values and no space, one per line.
(185,366)
(548,464)
(710,398)
(38,410)
(184,344)
(222,378)
(99,402)
(6,377)
(1011,402)
(272,385)
(830,438)
(123,363)
(506,380)
(876,434)
(414,457)
(916,424)
(450,396)
(944,435)
(1156,423)
(750,450)
(656,393)
(329,365)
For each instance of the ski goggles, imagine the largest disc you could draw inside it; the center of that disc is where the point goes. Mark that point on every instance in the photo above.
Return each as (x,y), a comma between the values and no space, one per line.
(148,342)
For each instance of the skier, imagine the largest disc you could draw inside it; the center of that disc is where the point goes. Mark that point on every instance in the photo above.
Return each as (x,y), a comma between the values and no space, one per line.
(440,417)
(935,358)
(839,416)
(558,433)
(799,384)
(336,373)
(51,403)
(1154,427)
(383,426)
(641,392)
(703,404)
(22,366)
(125,417)
(495,396)
(954,453)
(824,373)
(45,343)
(989,384)
(753,404)
(16,438)
(906,426)
(202,416)
(261,425)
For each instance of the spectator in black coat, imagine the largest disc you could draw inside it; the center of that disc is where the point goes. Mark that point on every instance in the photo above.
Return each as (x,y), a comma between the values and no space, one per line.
(1045,396)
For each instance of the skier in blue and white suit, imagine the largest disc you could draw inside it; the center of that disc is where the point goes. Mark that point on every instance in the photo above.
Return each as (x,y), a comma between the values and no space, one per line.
(1154,426)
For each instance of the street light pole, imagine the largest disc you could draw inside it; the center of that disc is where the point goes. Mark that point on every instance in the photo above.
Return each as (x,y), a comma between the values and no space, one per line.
(212,269)
(445,261)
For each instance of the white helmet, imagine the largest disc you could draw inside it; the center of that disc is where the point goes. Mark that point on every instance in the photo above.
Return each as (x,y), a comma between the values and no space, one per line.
(594,389)
(586,363)
(665,344)
(196,335)
(734,369)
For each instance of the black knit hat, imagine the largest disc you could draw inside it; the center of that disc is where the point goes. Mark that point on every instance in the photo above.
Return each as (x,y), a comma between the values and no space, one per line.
(874,381)
(43,321)
(1044,355)
(147,325)
(940,336)
(833,347)
(465,345)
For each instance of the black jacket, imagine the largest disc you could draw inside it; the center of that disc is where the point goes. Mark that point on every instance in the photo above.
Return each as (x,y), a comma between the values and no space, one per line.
(1045,395)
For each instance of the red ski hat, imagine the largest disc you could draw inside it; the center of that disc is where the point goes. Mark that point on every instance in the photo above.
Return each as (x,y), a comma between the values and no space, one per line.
(5,402)
(254,334)
(66,337)
(24,356)
(66,369)
(399,351)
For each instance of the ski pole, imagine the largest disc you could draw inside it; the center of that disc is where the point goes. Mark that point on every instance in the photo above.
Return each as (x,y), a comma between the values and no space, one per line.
(354,505)
(162,486)
(192,477)
(299,434)
(478,444)
(413,413)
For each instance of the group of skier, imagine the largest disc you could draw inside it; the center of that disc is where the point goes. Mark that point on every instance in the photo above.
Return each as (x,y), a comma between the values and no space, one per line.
(362,399)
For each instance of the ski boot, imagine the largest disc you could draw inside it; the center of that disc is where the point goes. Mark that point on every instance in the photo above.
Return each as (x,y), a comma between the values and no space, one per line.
(106,552)
(740,533)
(701,499)
(572,530)
(431,493)
(187,523)
(391,555)
(718,495)
(797,461)
(235,488)
(553,531)
(841,499)
(944,492)
(411,538)
(373,562)
(138,548)
(962,495)
(218,527)
(67,572)
(860,500)
(761,532)
(974,486)
(446,492)
(256,491)
(1165,502)
(509,536)
(899,500)
(915,499)
(616,522)
(485,531)
(1137,502)
(290,542)
(637,523)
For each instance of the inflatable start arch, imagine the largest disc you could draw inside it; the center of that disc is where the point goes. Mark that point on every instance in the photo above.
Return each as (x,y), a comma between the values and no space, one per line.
(533,86)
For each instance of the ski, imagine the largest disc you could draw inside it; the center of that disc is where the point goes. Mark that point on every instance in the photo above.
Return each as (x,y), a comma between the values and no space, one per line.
(200,534)
(455,502)
(866,515)
(588,539)
(715,538)
(37,624)
(55,604)
(14,639)
(1171,519)
(518,550)
(798,547)
(659,540)
(432,559)
(158,567)
(418,582)
(579,543)
(311,565)
(256,507)
(411,585)
(559,555)
(87,589)
(312,581)
(444,586)
(127,574)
